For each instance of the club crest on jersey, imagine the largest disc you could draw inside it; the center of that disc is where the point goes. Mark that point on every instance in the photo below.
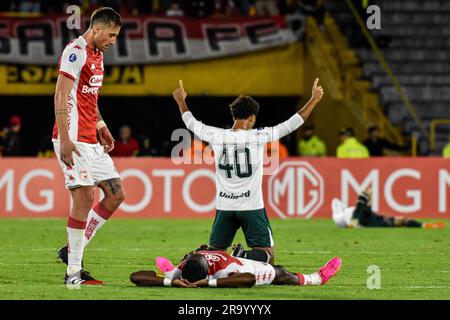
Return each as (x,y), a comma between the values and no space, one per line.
(93,66)
(83,175)
(73,57)
(260,131)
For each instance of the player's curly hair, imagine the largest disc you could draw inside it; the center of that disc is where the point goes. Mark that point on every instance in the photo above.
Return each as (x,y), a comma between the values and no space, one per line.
(243,107)
(203,247)
(195,268)
(106,15)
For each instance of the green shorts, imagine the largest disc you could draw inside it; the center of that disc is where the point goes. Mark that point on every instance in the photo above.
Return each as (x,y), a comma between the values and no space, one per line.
(254,223)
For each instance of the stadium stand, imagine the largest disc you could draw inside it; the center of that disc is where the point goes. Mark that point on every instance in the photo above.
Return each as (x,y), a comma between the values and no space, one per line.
(414,39)
(335,59)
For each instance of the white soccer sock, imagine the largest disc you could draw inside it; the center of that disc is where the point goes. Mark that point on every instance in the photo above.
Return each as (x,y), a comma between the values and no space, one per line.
(313,279)
(96,219)
(75,239)
(94,223)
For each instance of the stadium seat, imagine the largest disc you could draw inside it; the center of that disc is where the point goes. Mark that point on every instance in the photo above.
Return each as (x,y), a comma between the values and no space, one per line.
(415,41)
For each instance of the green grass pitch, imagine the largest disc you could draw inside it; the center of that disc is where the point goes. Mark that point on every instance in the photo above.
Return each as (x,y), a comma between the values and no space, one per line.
(414,263)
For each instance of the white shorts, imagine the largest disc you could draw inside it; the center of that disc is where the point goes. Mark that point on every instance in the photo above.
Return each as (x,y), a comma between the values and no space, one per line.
(264,272)
(93,166)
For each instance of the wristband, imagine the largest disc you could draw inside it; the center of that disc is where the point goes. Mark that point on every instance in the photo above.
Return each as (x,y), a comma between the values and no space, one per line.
(101,124)
(212,283)
(167,282)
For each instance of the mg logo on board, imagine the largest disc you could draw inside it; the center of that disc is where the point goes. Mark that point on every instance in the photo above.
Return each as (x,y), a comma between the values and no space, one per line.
(296,190)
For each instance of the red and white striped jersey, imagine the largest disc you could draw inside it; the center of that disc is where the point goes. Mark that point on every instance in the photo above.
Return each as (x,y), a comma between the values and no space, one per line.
(220,261)
(85,66)
(221,264)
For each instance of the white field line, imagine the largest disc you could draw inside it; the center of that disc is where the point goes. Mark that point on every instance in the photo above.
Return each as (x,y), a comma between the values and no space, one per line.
(427,287)
(389,288)
(383,253)
(129,263)
(312,252)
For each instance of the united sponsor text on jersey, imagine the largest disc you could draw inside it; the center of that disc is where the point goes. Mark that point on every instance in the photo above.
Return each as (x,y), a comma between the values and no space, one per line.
(234,196)
(84,66)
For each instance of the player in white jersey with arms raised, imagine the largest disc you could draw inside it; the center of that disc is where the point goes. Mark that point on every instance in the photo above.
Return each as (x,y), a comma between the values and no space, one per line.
(84,162)
(239,160)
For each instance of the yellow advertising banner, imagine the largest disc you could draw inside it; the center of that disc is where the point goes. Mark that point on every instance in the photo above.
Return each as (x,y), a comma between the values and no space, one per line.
(273,72)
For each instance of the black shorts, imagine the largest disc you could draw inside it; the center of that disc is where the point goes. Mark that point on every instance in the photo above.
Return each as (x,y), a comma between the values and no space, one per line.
(380,221)
(367,218)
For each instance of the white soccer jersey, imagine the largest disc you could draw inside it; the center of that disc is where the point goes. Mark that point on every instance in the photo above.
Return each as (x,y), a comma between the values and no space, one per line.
(239,160)
(342,215)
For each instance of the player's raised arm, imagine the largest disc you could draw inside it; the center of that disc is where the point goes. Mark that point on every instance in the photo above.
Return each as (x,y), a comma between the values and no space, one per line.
(63,87)
(180,97)
(316,95)
(204,132)
(293,123)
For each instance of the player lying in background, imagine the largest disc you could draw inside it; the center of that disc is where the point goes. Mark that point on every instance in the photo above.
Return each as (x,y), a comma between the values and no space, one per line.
(203,268)
(363,216)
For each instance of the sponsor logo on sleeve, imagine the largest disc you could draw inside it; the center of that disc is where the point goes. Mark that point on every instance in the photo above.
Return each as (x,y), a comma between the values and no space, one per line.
(73,57)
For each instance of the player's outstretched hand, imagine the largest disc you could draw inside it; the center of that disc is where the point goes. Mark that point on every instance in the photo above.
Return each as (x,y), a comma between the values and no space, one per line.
(182,284)
(317,91)
(106,139)
(201,283)
(66,153)
(179,94)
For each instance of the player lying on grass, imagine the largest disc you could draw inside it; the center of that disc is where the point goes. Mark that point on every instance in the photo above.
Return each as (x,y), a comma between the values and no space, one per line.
(239,161)
(205,268)
(362,216)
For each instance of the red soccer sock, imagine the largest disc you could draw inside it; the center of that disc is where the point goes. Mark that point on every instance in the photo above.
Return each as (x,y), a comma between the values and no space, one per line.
(301,279)
(102,211)
(76,224)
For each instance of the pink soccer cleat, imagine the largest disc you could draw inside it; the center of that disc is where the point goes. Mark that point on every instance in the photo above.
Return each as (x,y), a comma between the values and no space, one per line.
(164,264)
(330,269)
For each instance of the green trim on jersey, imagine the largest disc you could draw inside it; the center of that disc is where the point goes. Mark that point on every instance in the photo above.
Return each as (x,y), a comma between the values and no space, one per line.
(254,223)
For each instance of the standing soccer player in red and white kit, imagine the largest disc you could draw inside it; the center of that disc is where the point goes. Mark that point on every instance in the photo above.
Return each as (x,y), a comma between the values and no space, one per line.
(84,161)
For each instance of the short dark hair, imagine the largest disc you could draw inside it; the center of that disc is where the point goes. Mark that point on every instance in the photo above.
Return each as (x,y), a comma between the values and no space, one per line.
(195,268)
(372,129)
(350,132)
(244,107)
(106,15)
